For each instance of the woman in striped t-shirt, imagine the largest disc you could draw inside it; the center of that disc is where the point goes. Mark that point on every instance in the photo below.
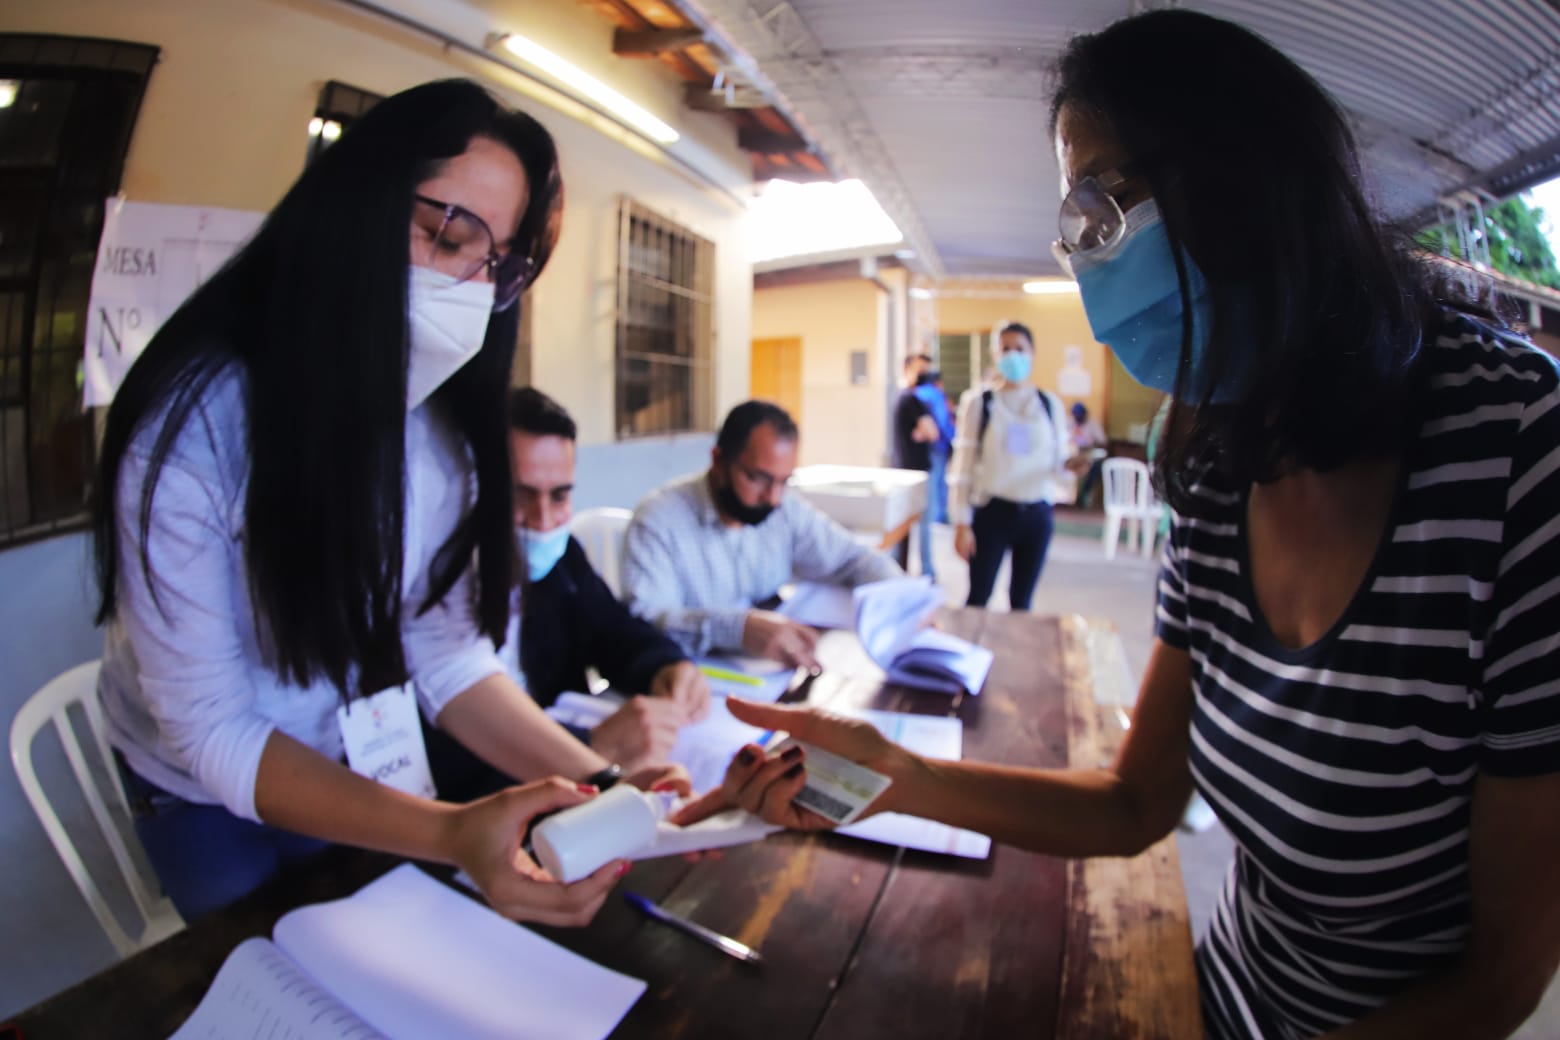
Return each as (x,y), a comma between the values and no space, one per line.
(1357,660)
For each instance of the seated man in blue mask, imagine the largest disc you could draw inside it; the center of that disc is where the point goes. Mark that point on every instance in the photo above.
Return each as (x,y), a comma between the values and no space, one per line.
(568,620)
(706,549)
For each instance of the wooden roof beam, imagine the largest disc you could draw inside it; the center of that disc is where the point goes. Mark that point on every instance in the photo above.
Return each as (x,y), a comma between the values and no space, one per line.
(651,43)
(769,142)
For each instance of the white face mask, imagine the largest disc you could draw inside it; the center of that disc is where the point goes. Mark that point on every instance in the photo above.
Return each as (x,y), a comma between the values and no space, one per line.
(447,324)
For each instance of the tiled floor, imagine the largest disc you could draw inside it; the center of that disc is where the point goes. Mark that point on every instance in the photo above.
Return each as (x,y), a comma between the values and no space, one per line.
(50,939)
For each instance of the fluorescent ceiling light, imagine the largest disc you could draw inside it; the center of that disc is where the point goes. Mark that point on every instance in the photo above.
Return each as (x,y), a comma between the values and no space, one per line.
(583,84)
(8,91)
(1051,287)
(922,294)
(789,219)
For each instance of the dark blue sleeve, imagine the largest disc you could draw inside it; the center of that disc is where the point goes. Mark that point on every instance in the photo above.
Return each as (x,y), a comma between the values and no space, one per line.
(625,649)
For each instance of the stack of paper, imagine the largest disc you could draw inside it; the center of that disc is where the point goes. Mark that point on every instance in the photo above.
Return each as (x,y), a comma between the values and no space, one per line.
(408,957)
(892,619)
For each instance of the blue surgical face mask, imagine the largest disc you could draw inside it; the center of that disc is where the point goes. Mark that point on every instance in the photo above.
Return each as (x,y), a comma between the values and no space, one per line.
(542,550)
(1015,365)
(1133,301)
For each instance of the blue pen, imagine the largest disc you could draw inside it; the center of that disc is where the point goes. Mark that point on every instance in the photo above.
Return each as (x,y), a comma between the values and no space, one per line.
(730,947)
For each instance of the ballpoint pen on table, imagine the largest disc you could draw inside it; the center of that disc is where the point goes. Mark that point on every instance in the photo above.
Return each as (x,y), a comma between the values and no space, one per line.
(730,947)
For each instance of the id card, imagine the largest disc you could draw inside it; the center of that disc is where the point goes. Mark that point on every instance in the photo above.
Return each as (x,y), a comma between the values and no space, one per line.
(837,788)
(384,740)
(1020,440)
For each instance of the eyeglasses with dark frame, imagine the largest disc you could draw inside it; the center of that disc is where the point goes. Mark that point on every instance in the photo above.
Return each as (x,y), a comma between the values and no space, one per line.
(462,245)
(1090,215)
(764,481)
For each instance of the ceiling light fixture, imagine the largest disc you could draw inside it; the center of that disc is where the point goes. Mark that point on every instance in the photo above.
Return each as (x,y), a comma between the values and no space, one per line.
(921,294)
(9,88)
(1051,287)
(588,87)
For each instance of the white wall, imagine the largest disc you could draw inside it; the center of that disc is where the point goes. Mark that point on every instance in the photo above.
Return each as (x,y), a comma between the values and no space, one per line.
(223,124)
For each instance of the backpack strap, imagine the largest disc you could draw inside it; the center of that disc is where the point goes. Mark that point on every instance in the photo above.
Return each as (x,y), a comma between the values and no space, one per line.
(985,413)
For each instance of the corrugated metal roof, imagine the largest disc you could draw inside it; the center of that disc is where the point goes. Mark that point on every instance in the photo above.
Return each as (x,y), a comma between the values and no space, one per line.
(951,98)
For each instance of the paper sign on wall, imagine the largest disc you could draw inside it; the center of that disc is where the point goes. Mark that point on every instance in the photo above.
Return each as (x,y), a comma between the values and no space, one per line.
(151,257)
(1072,379)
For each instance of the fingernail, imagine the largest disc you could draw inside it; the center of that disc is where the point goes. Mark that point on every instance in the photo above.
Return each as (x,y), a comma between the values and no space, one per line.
(623,868)
(585,788)
(744,757)
(792,773)
(791,754)
(662,785)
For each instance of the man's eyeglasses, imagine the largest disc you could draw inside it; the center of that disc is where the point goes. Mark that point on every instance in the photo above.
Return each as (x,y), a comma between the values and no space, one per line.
(1090,216)
(765,482)
(461,245)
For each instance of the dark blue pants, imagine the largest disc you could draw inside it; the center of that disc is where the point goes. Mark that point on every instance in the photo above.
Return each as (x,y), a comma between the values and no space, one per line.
(205,856)
(1000,526)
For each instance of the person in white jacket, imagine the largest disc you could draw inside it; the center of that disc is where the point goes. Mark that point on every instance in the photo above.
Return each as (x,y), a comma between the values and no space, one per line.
(303,528)
(1011,447)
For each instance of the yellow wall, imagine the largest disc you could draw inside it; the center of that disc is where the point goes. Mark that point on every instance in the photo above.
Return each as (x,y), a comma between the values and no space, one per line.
(840,423)
(1057,323)
(223,124)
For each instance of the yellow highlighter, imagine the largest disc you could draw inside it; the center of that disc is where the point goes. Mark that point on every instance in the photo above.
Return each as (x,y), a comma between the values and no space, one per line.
(726,675)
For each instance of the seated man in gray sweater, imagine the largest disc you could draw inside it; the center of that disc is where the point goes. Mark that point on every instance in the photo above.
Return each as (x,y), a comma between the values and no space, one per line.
(705,550)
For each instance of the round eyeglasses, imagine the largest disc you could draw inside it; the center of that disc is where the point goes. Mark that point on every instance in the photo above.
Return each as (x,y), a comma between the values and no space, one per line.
(1090,216)
(458,243)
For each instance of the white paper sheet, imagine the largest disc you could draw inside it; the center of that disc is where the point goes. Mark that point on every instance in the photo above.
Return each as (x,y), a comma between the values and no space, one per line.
(416,959)
(935,736)
(821,606)
(260,992)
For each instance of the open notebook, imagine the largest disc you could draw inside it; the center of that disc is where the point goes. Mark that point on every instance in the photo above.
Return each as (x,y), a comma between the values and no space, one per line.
(891,622)
(408,957)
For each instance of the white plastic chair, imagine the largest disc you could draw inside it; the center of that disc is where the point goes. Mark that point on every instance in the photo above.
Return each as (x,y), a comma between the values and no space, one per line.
(1129,498)
(600,533)
(98,781)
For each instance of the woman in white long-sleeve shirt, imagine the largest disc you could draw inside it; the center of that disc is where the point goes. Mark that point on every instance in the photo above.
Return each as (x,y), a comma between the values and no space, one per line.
(305,506)
(1010,448)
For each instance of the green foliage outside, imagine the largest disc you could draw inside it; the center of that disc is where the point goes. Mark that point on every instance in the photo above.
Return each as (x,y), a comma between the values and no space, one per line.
(1517,243)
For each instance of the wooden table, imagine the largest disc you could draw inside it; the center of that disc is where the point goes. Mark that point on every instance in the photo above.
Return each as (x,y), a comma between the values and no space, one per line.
(859,939)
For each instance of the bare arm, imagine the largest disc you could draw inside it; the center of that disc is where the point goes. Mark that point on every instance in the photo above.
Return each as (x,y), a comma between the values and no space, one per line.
(301,790)
(1115,811)
(1514,945)
(500,724)
(1118,811)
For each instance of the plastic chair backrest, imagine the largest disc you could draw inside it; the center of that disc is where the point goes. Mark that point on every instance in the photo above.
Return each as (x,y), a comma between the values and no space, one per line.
(1127,486)
(600,533)
(98,781)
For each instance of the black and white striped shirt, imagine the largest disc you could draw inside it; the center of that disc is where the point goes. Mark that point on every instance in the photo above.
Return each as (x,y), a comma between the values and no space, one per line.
(1345,770)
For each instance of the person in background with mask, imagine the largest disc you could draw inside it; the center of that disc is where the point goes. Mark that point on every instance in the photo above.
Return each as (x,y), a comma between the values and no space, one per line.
(1010,449)
(1356,659)
(568,620)
(303,526)
(704,551)
(929,391)
(1089,443)
(915,438)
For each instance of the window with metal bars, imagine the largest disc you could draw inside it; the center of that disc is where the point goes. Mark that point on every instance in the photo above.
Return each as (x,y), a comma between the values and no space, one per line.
(665,325)
(69,105)
(339,106)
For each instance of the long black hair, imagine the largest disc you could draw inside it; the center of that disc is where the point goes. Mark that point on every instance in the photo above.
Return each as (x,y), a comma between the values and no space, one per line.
(313,311)
(1317,306)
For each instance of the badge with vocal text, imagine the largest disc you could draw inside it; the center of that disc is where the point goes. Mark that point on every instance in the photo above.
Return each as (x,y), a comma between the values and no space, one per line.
(1020,440)
(384,740)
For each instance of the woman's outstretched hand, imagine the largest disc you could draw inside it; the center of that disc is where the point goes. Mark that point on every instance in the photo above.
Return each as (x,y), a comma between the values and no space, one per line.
(764,784)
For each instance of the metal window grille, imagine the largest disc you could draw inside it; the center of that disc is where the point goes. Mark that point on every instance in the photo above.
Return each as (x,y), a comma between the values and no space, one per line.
(665,325)
(63,137)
